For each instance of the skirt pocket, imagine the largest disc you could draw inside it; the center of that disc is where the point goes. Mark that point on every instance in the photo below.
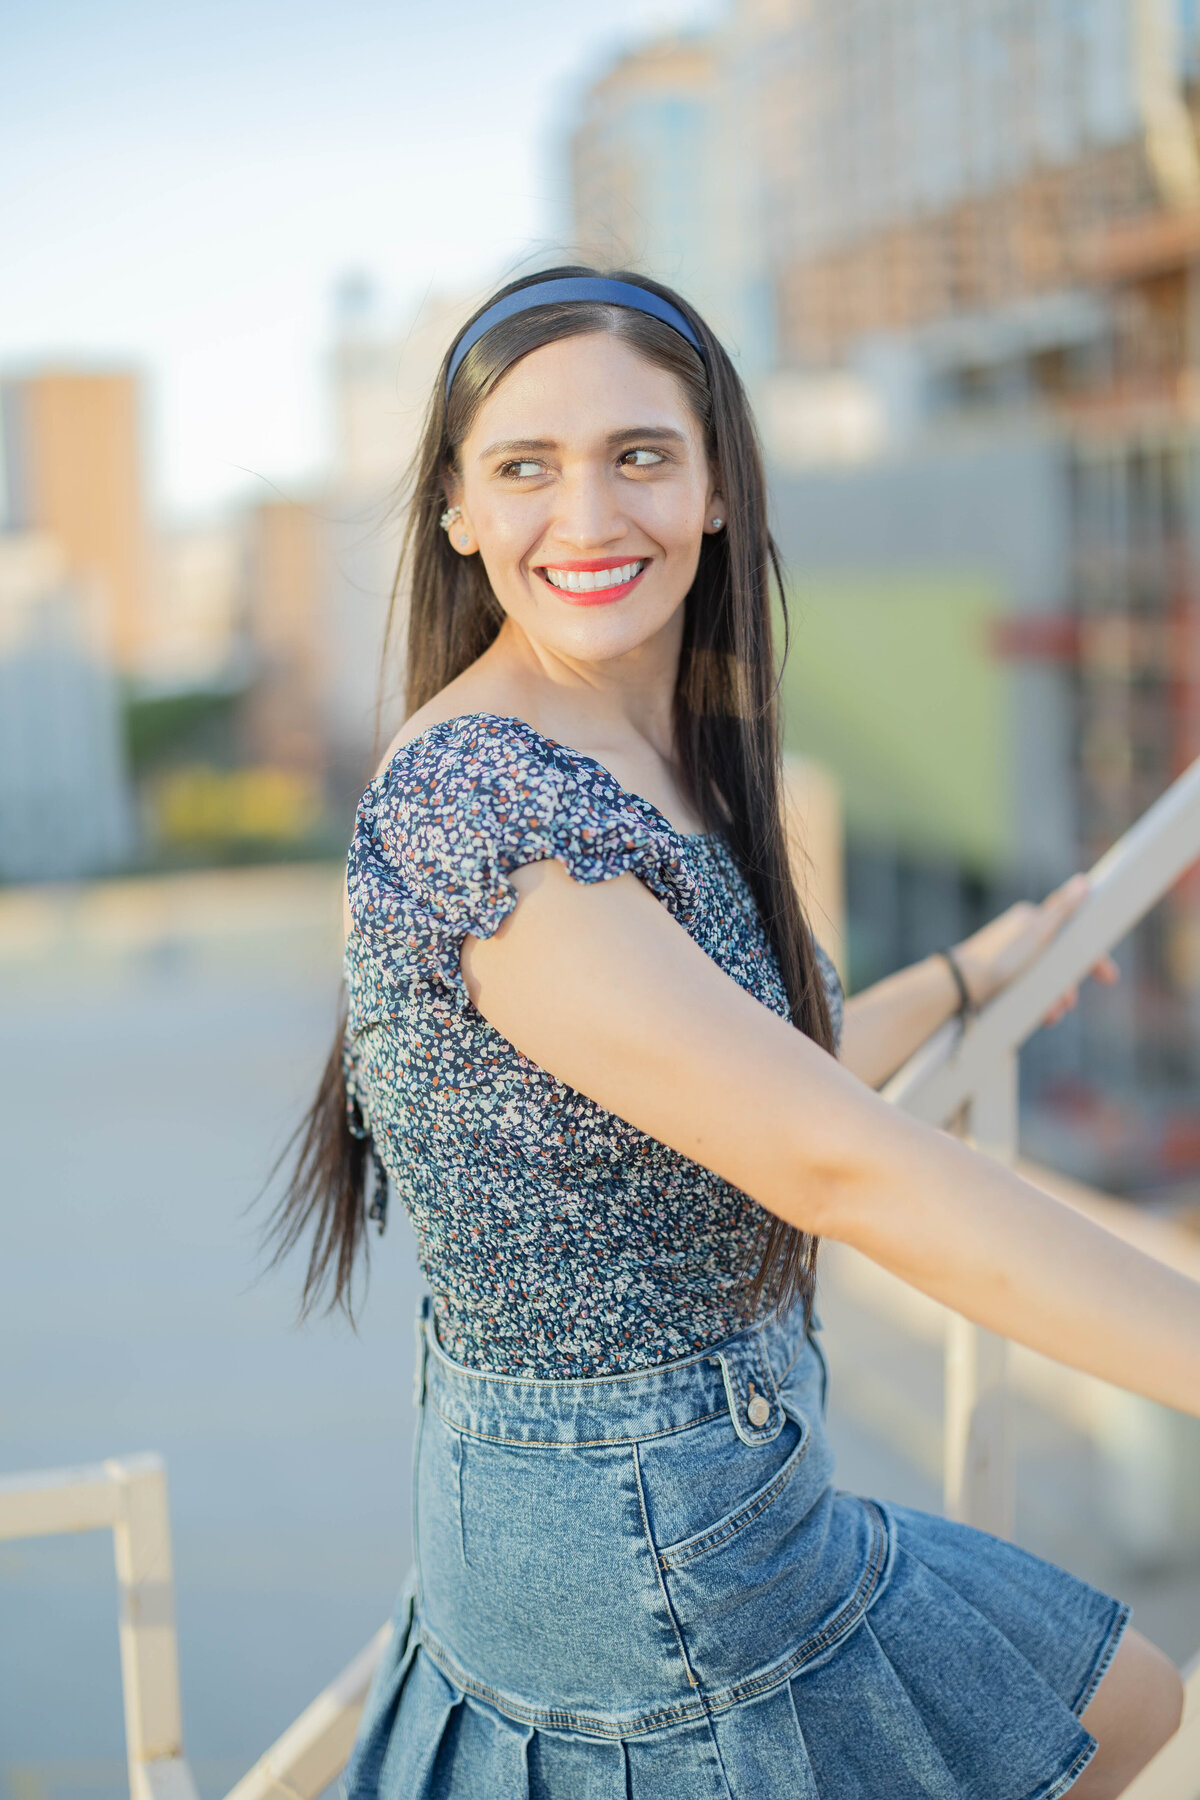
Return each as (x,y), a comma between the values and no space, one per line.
(752,1508)
(781,1591)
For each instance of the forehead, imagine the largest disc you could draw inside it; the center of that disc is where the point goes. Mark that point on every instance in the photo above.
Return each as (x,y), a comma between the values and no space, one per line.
(578,388)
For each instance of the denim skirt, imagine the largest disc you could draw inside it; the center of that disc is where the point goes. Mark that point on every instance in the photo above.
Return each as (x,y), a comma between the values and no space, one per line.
(646,1587)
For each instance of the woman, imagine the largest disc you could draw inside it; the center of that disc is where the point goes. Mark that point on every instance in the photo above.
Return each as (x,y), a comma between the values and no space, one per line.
(594,1045)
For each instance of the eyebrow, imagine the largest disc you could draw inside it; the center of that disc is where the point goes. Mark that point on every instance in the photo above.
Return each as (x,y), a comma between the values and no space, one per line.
(664,433)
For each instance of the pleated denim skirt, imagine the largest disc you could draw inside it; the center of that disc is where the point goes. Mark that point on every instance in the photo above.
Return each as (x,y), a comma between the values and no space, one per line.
(647,1587)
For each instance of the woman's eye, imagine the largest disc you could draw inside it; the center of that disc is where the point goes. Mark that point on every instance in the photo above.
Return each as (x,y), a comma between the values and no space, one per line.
(520,470)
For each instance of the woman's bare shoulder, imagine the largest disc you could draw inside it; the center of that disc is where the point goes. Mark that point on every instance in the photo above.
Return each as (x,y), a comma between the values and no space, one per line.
(468,693)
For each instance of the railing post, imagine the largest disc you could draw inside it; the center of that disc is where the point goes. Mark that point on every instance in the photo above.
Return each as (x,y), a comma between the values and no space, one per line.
(149,1661)
(978,1480)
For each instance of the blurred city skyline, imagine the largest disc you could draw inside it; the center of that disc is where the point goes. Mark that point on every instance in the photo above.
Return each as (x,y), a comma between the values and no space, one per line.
(955,254)
(954,251)
(183,193)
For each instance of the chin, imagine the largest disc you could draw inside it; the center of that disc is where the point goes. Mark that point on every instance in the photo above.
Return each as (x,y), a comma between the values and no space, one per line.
(595,633)
(603,639)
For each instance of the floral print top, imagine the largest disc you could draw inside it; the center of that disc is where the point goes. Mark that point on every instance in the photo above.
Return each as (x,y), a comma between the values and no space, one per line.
(558,1241)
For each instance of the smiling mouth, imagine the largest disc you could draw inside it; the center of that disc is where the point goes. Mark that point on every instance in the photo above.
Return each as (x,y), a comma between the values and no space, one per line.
(594,587)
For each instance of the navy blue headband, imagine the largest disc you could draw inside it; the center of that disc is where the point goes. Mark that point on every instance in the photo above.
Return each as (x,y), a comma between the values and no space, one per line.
(572,287)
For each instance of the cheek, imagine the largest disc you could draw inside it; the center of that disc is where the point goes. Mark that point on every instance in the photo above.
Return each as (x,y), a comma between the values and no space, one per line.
(672,519)
(507,539)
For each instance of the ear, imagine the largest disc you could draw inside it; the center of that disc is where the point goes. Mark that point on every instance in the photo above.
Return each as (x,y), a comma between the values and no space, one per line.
(451,485)
(462,536)
(460,532)
(715,507)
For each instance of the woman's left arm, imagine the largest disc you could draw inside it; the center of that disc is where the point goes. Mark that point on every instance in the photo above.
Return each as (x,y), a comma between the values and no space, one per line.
(887,1022)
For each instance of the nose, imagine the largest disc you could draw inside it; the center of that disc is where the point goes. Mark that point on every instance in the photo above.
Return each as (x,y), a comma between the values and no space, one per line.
(589,515)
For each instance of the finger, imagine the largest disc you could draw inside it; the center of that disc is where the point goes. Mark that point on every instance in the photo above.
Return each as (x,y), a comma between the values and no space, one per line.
(1107,970)
(1072,889)
(1063,1005)
(1062,901)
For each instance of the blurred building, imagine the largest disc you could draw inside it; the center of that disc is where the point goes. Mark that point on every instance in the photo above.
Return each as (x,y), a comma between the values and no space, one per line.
(65,801)
(381,373)
(935,163)
(643,160)
(73,471)
(265,670)
(227,718)
(988,224)
(240,659)
(197,587)
(284,582)
(991,220)
(893,569)
(381,377)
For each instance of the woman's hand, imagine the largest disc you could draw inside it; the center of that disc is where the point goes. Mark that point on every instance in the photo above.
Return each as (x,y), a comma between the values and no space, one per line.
(994,956)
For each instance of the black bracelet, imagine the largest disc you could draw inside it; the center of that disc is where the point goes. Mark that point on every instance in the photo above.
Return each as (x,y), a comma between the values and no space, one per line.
(966,1006)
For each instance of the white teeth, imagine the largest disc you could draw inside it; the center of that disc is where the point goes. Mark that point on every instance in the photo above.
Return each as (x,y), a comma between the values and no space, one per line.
(586,581)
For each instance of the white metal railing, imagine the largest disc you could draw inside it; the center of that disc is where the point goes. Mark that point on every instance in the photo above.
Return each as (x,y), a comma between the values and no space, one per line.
(129,1496)
(966,1076)
(314,1751)
(971,1075)
(953,1067)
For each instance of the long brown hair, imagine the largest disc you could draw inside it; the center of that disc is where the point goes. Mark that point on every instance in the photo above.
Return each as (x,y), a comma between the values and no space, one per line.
(727,730)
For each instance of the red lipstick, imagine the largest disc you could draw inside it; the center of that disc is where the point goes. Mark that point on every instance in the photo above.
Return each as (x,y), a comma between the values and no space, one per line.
(594,597)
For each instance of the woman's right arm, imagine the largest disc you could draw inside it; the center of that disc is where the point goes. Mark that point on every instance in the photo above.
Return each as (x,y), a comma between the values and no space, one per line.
(599,985)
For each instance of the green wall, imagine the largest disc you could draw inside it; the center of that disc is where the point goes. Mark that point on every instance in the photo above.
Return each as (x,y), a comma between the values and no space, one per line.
(890,682)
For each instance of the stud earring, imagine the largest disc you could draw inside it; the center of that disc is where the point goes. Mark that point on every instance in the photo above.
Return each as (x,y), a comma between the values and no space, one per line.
(717,524)
(462,542)
(448,517)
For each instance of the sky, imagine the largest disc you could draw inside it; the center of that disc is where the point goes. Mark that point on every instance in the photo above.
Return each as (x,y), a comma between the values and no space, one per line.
(182,188)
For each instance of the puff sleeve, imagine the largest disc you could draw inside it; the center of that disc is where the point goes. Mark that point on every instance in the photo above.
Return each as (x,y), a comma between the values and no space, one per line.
(458,808)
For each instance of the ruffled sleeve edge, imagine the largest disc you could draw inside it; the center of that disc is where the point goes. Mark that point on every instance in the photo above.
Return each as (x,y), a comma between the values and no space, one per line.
(581,817)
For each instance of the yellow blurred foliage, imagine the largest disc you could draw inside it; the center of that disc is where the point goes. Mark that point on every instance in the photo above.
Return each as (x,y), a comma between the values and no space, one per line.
(204,805)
